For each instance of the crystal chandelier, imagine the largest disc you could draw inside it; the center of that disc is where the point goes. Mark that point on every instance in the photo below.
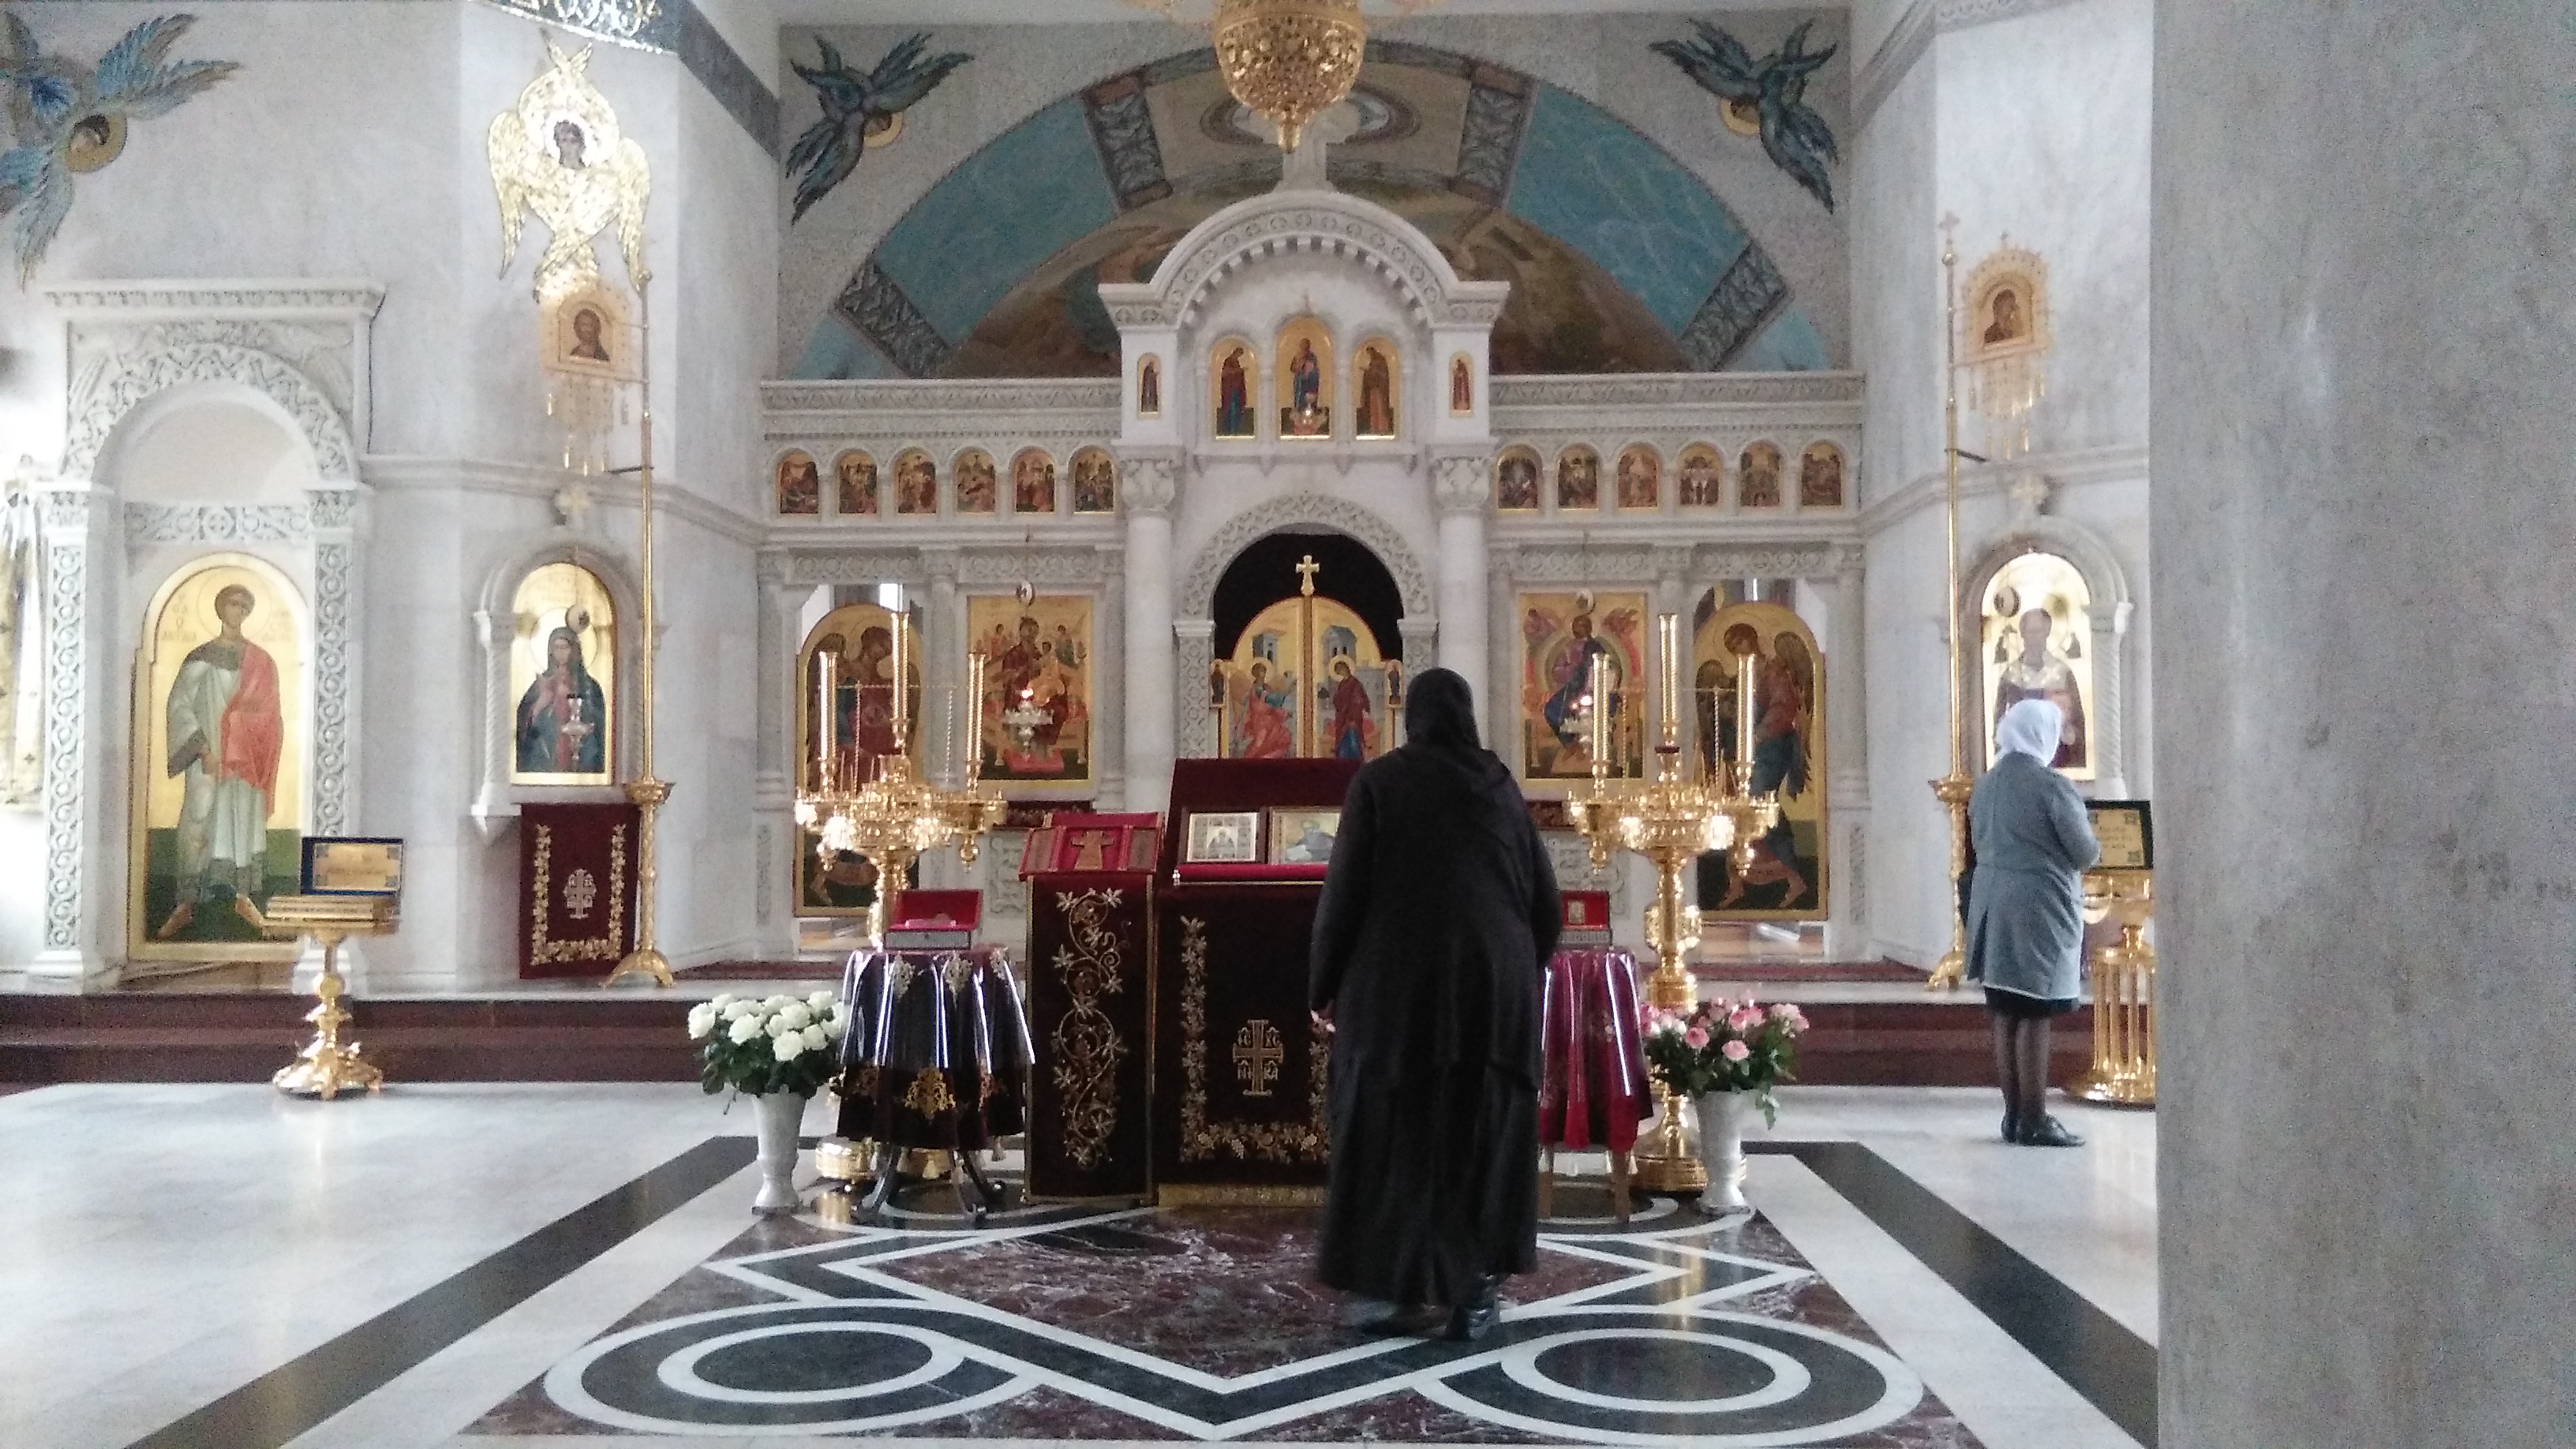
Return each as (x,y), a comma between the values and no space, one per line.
(1289,60)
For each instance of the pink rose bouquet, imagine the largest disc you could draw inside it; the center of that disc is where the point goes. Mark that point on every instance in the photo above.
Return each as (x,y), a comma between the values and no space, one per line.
(1725,1046)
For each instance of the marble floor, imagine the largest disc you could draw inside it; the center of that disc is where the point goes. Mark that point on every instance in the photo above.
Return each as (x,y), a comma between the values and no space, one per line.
(557,1265)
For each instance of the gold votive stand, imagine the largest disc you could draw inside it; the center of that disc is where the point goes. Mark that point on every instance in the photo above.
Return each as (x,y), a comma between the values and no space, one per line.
(327,1066)
(2124,992)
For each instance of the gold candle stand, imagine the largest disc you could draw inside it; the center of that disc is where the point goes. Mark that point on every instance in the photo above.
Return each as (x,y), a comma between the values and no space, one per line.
(327,1066)
(2124,991)
(1673,820)
(647,791)
(1952,789)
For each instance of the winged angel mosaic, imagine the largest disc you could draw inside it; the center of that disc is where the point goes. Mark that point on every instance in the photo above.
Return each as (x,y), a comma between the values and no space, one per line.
(559,154)
(66,118)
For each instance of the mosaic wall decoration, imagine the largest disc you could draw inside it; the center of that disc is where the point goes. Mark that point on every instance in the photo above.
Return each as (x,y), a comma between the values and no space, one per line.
(861,111)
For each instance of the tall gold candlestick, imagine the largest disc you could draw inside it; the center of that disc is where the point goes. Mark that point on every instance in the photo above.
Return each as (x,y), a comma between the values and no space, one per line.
(1952,789)
(647,791)
(1668,638)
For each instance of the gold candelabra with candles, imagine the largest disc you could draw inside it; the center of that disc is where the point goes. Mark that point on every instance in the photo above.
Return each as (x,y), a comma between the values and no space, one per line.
(1672,819)
(882,808)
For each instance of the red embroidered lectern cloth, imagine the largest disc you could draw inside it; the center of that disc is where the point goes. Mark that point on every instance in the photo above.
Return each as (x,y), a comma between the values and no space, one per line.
(1091,956)
(576,888)
(1593,1091)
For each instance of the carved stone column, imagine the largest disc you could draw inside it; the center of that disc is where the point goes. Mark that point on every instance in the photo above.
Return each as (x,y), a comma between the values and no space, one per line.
(773,778)
(1108,667)
(1148,486)
(1847,748)
(1459,493)
(1502,702)
(334,512)
(79,607)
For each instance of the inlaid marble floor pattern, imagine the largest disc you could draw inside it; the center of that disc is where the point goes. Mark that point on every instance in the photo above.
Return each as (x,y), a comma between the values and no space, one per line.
(557,1266)
(1204,1324)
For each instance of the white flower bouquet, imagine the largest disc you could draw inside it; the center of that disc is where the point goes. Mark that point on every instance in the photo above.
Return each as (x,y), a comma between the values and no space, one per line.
(777,1044)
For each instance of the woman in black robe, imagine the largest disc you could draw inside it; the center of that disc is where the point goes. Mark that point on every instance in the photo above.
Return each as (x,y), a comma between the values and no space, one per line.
(1438,915)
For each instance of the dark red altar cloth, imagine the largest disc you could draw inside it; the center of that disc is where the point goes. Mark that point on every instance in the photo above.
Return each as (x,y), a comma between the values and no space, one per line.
(577,868)
(1239,1070)
(938,1049)
(1593,1090)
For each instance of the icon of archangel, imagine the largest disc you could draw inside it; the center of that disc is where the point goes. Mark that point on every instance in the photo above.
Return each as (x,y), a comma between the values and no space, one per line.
(559,153)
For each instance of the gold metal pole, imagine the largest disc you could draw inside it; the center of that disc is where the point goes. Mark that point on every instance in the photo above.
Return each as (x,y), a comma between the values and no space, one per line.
(649,790)
(1953,788)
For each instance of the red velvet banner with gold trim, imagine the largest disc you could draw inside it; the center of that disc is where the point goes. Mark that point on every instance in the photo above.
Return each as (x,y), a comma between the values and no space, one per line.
(576,888)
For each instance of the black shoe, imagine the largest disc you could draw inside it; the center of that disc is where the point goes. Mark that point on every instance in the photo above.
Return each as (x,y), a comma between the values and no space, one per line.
(1470,1322)
(2012,1128)
(2049,1133)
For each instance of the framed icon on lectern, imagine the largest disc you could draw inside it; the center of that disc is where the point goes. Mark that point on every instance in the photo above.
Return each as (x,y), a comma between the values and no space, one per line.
(2127,831)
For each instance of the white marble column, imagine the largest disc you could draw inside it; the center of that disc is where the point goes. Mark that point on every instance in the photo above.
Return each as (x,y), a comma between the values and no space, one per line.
(1108,663)
(1847,757)
(1146,493)
(1459,492)
(82,913)
(2364,554)
(774,774)
(1501,705)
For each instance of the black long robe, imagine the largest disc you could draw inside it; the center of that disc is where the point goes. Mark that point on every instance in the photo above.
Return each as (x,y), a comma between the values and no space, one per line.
(1438,916)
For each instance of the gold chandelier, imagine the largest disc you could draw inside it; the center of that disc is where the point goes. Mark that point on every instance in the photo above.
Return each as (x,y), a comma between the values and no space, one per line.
(1288,60)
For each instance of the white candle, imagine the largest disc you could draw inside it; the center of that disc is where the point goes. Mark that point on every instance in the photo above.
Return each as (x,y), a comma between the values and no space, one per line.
(1744,710)
(1597,687)
(823,752)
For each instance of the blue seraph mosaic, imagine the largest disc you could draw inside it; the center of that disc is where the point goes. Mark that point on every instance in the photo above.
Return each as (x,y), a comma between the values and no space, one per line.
(67,117)
(1770,93)
(859,111)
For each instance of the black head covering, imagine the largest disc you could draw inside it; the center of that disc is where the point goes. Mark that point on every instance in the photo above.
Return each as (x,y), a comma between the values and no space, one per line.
(1440,712)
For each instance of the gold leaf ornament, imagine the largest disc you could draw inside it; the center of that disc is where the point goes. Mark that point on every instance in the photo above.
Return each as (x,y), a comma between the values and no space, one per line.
(560,154)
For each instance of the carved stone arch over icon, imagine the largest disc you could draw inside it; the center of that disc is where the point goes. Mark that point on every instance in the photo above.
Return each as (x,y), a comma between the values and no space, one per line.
(1757,476)
(561,582)
(1699,477)
(222,755)
(1377,387)
(1820,475)
(1578,479)
(1033,483)
(1517,470)
(978,484)
(1639,482)
(797,485)
(1234,388)
(1302,378)
(1786,714)
(916,484)
(854,484)
(2068,577)
(107,393)
(1095,481)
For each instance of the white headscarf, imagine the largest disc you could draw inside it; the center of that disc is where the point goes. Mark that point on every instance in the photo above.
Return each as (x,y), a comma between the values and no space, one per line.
(2031,728)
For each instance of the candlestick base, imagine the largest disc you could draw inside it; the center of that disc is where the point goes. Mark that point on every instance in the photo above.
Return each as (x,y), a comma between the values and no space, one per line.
(1664,1160)
(642,962)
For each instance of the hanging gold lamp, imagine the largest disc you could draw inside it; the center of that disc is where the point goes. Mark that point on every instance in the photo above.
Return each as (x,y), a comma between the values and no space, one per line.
(1288,60)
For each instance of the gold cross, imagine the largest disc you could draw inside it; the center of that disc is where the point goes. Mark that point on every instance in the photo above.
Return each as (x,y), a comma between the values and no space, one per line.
(1088,847)
(1257,1056)
(1307,568)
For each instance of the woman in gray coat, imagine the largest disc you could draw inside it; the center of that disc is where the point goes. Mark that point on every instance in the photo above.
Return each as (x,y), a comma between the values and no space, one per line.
(2026,910)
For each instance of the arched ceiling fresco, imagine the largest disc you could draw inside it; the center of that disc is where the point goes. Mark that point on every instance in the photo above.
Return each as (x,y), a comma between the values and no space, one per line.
(1620,259)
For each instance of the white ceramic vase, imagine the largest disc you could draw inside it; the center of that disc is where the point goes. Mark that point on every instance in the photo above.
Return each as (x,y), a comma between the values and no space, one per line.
(782,1115)
(1722,1118)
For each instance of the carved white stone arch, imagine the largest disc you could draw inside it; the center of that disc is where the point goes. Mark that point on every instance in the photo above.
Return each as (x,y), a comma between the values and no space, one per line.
(1194,730)
(2108,582)
(1292,510)
(293,350)
(1318,221)
(110,390)
(495,804)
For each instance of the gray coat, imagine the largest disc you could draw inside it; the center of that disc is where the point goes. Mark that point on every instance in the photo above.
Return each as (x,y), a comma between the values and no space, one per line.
(2026,901)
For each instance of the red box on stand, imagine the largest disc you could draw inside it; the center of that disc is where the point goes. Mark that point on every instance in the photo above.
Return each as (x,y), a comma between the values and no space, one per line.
(1584,917)
(933,920)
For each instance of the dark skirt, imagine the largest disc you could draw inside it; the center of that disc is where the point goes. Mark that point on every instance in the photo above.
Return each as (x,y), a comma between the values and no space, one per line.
(2018,1007)
(1432,1189)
